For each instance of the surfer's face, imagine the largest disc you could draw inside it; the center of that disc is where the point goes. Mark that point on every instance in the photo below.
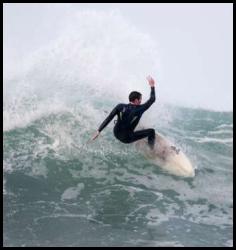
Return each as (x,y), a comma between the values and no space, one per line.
(138,101)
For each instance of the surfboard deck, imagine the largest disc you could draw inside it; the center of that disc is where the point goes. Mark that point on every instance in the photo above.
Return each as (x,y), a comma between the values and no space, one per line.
(167,156)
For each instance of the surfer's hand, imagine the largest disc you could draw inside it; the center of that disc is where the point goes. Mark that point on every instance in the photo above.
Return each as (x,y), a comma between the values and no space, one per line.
(151,81)
(95,135)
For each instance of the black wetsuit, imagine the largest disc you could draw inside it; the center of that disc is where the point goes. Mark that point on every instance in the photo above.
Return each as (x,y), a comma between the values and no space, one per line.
(128,118)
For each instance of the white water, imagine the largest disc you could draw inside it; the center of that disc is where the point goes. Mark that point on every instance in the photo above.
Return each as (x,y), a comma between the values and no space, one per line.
(99,55)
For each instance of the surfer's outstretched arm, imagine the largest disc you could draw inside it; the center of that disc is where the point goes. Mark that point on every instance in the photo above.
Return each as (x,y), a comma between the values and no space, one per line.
(109,118)
(106,121)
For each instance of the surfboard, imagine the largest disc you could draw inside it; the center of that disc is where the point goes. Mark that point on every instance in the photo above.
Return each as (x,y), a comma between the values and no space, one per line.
(167,156)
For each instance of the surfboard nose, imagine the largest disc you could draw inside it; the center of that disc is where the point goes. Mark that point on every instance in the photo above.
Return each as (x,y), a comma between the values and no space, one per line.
(187,169)
(190,172)
(179,165)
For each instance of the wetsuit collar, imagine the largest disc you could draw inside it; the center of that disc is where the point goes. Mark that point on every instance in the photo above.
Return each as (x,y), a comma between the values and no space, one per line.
(133,104)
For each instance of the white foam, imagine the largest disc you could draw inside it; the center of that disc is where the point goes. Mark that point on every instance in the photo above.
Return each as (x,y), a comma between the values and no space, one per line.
(215,140)
(199,213)
(98,55)
(229,243)
(225,126)
(205,139)
(7,167)
(155,243)
(16,117)
(156,217)
(72,192)
(4,186)
(218,132)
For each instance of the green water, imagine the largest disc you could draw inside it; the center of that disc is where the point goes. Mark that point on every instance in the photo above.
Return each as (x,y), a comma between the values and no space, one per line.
(58,192)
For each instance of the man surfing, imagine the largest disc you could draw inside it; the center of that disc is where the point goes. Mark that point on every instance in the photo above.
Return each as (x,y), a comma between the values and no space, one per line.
(128,117)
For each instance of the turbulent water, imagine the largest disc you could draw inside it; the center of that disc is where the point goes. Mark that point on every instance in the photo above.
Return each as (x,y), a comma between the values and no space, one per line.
(60,191)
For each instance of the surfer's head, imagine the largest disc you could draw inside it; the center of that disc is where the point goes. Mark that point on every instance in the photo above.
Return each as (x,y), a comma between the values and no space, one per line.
(135,97)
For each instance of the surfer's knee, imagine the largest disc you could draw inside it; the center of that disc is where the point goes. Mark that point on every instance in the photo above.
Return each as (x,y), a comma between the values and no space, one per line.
(152,132)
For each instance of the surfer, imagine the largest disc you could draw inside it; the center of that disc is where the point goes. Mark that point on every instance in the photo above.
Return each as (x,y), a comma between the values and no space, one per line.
(129,116)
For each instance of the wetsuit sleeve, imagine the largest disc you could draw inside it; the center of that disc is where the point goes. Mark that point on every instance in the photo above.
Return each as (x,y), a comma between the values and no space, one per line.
(150,101)
(109,118)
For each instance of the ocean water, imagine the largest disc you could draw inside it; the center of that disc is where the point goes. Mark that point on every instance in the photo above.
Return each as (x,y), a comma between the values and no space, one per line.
(60,191)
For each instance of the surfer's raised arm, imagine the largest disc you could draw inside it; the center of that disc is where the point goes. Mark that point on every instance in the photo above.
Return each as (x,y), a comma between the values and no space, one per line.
(152,95)
(151,81)
(152,98)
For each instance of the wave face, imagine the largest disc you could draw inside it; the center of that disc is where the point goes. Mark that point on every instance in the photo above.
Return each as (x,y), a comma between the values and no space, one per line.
(60,191)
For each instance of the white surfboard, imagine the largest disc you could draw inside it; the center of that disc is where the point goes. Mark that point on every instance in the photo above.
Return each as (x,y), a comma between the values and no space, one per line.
(167,156)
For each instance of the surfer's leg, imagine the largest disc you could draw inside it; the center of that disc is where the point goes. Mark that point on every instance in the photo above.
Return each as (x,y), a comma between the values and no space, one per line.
(149,133)
(151,138)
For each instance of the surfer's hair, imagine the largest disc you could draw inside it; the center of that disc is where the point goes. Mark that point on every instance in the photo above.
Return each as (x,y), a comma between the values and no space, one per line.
(134,95)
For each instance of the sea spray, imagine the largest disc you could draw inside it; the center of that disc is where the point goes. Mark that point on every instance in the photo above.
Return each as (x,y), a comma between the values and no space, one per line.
(100,55)
(59,192)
